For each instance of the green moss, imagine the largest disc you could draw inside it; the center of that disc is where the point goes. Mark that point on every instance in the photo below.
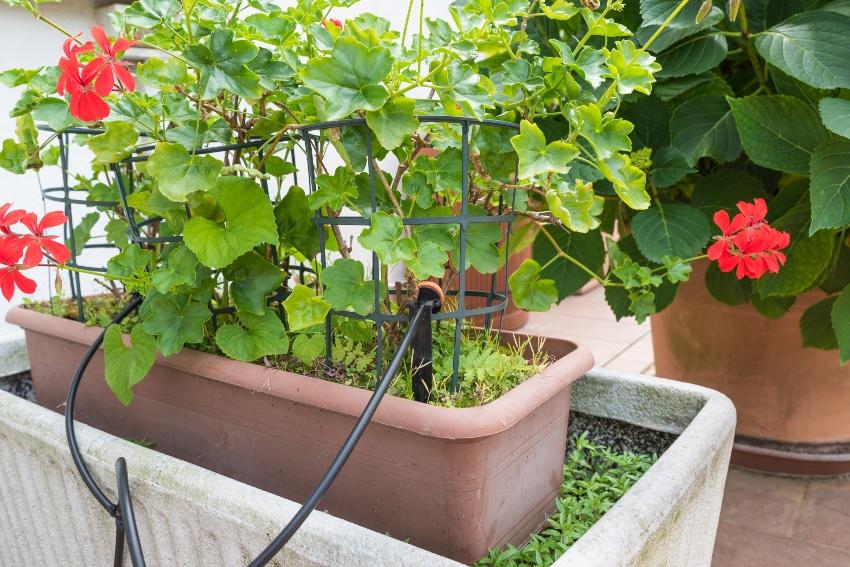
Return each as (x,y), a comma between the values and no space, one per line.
(595,477)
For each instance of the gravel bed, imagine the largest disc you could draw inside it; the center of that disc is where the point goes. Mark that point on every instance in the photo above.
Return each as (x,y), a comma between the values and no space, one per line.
(618,435)
(19,385)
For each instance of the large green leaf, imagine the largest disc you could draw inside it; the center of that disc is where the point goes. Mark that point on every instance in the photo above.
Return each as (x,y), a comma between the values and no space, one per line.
(175,320)
(394,122)
(536,156)
(252,278)
(812,47)
(724,188)
(116,143)
(763,14)
(568,277)
(349,78)
(482,253)
(295,225)
(703,126)
(725,287)
(632,70)
(606,135)
(816,325)
(629,181)
(670,230)
(346,287)
(180,269)
(841,323)
(13,156)
(530,290)
(223,65)
(669,166)
(385,237)
(830,187)
(334,191)
(778,131)
(256,336)
(178,174)
(651,118)
(54,112)
(249,222)
(304,309)
(835,113)
(693,55)
(429,261)
(124,367)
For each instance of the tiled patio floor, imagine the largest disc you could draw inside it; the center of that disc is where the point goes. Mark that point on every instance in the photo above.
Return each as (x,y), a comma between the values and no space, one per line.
(766,521)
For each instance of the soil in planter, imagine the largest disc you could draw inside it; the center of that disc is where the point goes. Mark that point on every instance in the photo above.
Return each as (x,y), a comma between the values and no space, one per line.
(605,458)
(487,369)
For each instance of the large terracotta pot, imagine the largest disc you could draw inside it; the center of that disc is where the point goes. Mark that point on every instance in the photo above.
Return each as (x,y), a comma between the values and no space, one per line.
(454,481)
(793,402)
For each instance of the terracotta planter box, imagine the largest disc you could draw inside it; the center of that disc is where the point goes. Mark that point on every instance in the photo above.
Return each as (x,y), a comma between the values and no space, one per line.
(454,481)
(793,402)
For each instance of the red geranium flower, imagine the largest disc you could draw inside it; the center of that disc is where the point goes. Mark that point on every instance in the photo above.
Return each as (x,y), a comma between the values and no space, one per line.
(748,244)
(8,218)
(109,66)
(332,21)
(71,49)
(11,248)
(40,243)
(86,102)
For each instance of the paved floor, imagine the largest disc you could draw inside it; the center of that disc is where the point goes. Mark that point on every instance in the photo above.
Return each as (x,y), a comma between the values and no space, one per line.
(766,521)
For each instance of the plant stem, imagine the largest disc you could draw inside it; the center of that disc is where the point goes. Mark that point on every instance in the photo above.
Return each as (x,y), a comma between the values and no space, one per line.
(571,259)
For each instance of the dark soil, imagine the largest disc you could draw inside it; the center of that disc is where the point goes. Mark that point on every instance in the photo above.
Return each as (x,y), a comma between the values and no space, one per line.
(19,385)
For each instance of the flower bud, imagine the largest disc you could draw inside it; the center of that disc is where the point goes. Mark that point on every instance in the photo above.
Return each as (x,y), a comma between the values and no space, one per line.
(704,9)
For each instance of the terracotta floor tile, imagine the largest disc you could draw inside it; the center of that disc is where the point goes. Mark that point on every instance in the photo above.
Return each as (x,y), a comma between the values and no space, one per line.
(744,546)
(825,515)
(769,503)
(625,364)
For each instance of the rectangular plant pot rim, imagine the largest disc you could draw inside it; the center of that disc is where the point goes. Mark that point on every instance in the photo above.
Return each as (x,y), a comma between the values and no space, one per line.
(414,417)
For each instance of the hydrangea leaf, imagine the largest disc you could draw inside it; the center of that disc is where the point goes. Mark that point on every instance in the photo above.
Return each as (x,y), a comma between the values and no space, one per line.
(669,166)
(536,156)
(606,135)
(249,222)
(704,126)
(385,237)
(349,79)
(308,348)
(394,122)
(429,262)
(830,185)
(116,143)
(841,324)
(631,70)
(256,336)
(304,309)
(530,290)
(124,367)
(694,55)
(346,287)
(816,325)
(835,113)
(252,278)
(670,230)
(629,181)
(178,174)
(223,65)
(175,320)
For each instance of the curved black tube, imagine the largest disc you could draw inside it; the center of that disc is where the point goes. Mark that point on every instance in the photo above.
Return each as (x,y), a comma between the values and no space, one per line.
(128,518)
(70,404)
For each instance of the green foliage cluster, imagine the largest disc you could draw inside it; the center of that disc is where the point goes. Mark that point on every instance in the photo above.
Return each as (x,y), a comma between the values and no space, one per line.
(595,477)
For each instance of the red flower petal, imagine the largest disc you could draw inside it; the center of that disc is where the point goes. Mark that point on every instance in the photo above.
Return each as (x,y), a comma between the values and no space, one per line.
(126,78)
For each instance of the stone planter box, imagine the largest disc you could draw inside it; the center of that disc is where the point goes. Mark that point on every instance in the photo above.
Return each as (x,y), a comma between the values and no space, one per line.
(454,481)
(189,516)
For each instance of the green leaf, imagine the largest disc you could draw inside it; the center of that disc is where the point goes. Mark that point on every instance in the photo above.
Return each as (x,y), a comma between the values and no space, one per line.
(651,119)
(252,278)
(394,122)
(429,262)
(304,309)
(608,135)
(157,73)
(816,325)
(175,320)
(385,237)
(773,307)
(670,230)
(223,65)
(466,92)
(116,143)
(54,112)
(249,222)
(178,174)
(559,9)
(841,324)
(530,291)
(308,348)
(784,144)
(631,70)
(124,367)
(835,113)
(536,157)
(130,265)
(274,26)
(117,232)
(575,205)
(349,78)
(830,186)
(568,277)
(150,13)
(13,156)
(839,276)
(668,167)
(295,225)
(482,253)
(678,270)
(703,126)
(334,191)
(180,270)
(629,181)
(443,173)
(82,233)
(693,55)
(725,287)
(346,287)
(256,336)
(811,47)
(723,189)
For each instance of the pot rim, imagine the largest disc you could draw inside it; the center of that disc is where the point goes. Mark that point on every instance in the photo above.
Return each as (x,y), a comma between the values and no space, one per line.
(572,362)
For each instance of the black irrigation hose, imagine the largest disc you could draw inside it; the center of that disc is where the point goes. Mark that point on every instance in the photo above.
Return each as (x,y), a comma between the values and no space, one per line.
(123,511)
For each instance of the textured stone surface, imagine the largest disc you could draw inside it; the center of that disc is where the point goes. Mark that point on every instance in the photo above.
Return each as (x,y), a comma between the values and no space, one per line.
(13,354)
(670,516)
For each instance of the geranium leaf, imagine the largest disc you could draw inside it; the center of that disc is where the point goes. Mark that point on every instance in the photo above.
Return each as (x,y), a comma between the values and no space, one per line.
(531,291)
(178,174)
(295,225)
(830,185)
(631,70)
(13,156)
(443,173)
(308,348)
(346,287)
(335,191)
(394,122)
(466,92)
(386,238)
(249,222)
(575,205)
(156,72)
(175,320)
(304,309)
(429,261)
(350,78)
(180,270)
(256,336)
(607,135)
(670,230)
(629,181)
(124,367)
(116,143)
(482,238)
(252,278)
(536,157)
(223,65)
(54,112)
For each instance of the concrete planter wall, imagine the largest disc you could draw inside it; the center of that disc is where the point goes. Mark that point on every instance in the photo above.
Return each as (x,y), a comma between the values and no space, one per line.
(189,516)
